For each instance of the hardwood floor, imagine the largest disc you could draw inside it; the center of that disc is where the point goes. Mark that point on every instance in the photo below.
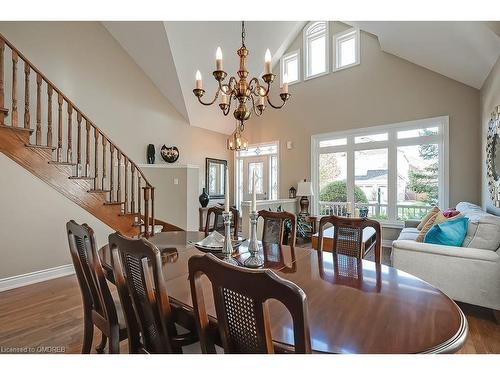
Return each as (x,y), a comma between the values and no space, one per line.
(47,317)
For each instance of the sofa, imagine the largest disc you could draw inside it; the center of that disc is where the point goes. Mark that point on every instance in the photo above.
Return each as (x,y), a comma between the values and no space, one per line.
(470,273)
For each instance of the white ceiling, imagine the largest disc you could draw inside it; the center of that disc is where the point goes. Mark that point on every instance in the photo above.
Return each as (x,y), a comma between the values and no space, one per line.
(463,51)
(171,52)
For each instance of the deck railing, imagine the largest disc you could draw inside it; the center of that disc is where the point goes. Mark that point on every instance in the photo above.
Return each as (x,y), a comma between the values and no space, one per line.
(376,210)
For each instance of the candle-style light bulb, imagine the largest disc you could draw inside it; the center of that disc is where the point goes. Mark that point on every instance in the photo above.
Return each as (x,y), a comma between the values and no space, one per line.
(199,84)
(267,62)
(284,88)
(218,59)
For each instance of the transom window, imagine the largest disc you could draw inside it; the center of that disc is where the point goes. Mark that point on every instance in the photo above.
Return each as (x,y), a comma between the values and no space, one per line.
(346,49)
(315,49)
(397,172)
(290,67)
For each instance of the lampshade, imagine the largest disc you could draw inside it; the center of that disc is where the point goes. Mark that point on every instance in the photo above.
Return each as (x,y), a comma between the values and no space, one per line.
(305,188)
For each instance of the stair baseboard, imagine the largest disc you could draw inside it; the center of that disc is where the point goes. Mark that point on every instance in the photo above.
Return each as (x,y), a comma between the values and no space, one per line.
(35,277)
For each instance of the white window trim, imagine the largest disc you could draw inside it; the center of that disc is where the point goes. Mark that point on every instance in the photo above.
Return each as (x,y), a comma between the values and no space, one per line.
(306,51)
(282,66)
(338,38)
(442,138)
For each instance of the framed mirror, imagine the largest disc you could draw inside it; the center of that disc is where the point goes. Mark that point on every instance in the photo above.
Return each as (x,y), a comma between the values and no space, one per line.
(493,155)
(215,172)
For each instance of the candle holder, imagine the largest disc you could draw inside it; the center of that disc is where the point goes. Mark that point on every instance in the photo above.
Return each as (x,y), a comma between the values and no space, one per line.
(227,249)
(255,260)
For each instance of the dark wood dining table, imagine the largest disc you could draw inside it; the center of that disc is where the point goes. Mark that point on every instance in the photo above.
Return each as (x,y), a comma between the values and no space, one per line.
(355,306)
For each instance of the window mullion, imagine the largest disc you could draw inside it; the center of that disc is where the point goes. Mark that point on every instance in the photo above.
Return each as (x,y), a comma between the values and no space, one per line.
(392,176)
(350,169)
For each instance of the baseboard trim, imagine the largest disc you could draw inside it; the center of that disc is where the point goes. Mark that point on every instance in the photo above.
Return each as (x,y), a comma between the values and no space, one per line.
(35,277)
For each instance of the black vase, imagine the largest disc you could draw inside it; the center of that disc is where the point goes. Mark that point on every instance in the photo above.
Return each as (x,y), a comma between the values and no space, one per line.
(204,198)
(151,154)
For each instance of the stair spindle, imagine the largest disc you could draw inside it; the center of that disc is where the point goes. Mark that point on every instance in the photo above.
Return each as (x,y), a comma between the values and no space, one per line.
(27,72)
(59,126)
(139,195)
(119,179)
(112,173)
(49,115)
(2,94)
(152,210)
(87,148)
(146,211)
(125,208)
(69,151)
(103,183)
(14,88)
(38,136)
(96,159)
(79,143)
(132,190)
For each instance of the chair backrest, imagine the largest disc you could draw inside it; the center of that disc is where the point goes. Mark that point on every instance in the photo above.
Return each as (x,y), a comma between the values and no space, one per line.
(240,297)
(274,226)
(90,274)
(348,235)
(137,265)
(217,212)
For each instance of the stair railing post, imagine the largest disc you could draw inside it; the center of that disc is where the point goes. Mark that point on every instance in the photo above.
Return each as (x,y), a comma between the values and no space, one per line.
(79,144)
(69,151)
(146,211)
(27,119)
(13,117)
(152,211)
(49,115)
(38,136)
(59,127)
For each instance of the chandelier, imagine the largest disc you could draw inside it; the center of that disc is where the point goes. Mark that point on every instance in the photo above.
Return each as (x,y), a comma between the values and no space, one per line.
(249,95)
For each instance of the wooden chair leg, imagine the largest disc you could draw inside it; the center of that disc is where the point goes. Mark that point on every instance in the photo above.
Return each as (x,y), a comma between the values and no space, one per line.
(100,348)
(114,341)
(88,334)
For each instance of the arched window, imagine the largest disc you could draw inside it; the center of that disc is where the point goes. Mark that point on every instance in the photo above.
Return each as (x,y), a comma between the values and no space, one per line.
(315,49)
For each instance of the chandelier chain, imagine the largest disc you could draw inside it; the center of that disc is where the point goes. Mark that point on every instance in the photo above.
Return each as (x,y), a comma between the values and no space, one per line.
(243,33)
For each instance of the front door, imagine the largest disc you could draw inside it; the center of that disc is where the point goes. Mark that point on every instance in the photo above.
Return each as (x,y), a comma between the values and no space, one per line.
(261,165)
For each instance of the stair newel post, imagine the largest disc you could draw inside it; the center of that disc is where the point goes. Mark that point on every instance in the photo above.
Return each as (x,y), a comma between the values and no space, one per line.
(69,151)
(103,184)
(132,190)
(13,118)
(27,71)
(152,210)
(125,208)
(38,136)
(146,211)
(59,126)
(87,148)
(2,94)
(49,115)
(119,177)
(96,159)
(79,143)
(112,173)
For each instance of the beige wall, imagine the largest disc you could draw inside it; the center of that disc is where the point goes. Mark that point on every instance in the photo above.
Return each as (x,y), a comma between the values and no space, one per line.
(383,89)
(490,98)
(88,65)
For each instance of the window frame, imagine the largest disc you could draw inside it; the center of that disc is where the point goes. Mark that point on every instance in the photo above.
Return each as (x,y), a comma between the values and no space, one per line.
(305,45)
(392,144)
(282,66)
(337,39)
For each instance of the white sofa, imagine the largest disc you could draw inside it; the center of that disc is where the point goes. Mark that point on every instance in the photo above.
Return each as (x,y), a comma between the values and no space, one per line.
(470,273)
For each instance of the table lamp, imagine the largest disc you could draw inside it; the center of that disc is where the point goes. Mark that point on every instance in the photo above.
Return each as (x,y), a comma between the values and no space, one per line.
(304,190)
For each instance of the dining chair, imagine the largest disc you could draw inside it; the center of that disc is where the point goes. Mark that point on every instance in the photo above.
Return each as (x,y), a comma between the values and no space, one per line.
(137,268)
(348,235)
(240,297)
(217,212)
(99,307)
(274,226)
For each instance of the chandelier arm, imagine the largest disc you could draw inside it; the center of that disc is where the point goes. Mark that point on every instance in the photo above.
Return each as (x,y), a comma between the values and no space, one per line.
(228,85)
(253,81)
(257,112)
(212,102)
(275,106)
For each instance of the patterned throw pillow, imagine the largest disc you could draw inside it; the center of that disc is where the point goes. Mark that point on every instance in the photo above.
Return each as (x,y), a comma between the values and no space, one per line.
(430,214)
(428,225)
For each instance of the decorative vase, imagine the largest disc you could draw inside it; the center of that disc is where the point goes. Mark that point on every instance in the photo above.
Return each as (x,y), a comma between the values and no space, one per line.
(151,154)
(204,198)
(363,212)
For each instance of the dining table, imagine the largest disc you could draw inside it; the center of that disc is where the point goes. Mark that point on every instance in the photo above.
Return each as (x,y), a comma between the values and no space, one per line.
(354,305)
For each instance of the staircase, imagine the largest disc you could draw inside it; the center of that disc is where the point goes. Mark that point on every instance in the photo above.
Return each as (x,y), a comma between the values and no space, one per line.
(60,145)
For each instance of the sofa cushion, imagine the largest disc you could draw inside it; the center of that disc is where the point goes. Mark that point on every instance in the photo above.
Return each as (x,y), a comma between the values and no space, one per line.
(409,234)
(483,231)
(449,233)
(427,226)
(431,213)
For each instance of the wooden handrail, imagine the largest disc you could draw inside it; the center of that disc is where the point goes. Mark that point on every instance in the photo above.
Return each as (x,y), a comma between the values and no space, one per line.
(101,143)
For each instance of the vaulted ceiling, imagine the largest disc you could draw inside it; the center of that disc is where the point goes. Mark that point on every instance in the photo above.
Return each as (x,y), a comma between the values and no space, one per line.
(171,52)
